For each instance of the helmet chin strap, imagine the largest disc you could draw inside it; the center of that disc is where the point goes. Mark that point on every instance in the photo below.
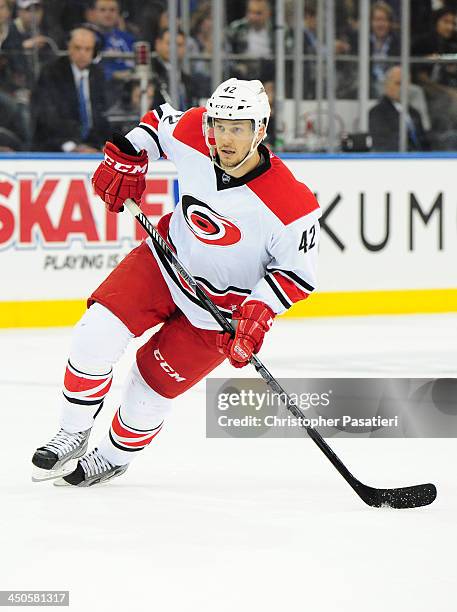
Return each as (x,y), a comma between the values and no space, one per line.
(249,154)
(211,144)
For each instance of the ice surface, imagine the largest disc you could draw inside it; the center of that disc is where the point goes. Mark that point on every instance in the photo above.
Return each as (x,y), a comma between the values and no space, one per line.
(215,525)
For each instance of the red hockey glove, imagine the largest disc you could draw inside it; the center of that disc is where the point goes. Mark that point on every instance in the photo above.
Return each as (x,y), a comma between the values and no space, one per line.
(120,176)
(254,320)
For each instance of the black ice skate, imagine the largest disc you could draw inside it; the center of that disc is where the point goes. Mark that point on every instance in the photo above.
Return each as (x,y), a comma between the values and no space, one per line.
(58,457)
(92,469)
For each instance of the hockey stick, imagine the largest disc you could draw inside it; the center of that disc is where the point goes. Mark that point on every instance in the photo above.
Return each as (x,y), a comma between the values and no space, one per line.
(403,497)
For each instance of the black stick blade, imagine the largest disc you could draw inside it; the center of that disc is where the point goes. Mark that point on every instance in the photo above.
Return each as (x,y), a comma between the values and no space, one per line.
(403,497)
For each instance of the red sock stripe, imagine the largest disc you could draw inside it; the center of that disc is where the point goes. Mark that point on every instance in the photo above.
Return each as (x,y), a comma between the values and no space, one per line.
(137,444)
(104,390)
(131,438)
(83,386)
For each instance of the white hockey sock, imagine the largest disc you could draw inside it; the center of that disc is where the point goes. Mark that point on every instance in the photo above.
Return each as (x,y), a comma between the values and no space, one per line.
(137,421)
(99,339)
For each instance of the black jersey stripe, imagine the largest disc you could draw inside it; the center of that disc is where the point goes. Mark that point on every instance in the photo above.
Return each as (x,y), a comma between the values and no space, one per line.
(229,289)
(154,136)
(278,292)
(294,277)
(166,264)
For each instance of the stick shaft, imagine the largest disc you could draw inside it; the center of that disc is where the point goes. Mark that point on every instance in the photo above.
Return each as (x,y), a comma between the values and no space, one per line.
(270,380)
(400,498)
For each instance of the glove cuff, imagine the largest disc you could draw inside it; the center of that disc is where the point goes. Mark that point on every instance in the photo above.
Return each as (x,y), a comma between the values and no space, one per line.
(257,311)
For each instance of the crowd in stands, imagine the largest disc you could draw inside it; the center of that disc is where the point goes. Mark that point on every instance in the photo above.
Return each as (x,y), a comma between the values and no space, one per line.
(68,79)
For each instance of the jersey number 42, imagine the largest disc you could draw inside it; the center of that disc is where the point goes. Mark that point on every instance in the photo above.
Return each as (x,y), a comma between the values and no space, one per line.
(307,241)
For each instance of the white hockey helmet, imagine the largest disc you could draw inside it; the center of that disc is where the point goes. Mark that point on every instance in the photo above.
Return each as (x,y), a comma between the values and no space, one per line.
(237,99)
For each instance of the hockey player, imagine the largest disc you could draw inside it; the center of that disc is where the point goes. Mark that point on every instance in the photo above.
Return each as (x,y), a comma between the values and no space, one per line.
(246,229)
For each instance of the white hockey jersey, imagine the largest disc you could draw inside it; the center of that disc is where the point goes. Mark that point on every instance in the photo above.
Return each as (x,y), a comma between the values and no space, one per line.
(249,238)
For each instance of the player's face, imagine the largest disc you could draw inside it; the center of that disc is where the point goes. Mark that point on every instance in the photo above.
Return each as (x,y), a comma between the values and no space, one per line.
(233,140)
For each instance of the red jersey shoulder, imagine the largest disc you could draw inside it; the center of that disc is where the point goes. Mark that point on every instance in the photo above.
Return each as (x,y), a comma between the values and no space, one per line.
(189,130)
(151,118)
(280,191)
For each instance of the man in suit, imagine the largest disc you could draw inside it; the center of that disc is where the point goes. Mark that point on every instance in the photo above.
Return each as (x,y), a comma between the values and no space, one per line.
(384,119)
(161,69)
(69,100)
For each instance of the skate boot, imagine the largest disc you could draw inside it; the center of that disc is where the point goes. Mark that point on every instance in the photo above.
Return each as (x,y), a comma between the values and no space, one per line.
(92,469)
(58,457)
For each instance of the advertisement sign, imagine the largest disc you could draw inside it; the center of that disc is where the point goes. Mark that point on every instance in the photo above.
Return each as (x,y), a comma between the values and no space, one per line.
(388,239)
(57,241)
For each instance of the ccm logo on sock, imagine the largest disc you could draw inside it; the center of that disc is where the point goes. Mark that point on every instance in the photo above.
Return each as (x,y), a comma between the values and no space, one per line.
(166,367)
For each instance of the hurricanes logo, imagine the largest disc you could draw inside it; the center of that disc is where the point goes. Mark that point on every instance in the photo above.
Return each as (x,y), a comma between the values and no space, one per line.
(207,225)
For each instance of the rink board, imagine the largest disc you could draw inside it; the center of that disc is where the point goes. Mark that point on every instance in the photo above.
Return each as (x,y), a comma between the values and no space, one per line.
(388,240)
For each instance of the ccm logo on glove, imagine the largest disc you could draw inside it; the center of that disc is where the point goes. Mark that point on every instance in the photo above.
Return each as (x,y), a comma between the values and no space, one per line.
(120,176)
(253,320)
(126,168)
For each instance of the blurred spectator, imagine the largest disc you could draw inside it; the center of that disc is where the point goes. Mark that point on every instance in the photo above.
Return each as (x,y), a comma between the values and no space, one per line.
(440,80)
(201,41)
(384,118)
(66,13)
(13,135)
(346,18)
(268,82)
(309,48)
(132,12)
(69,101)
(124,115)
(108,20)
(161,70)
(155,20)
(252,35)
(7,80)
(28,42)
(9,141)
(345,43)
(383,43)
(441,39)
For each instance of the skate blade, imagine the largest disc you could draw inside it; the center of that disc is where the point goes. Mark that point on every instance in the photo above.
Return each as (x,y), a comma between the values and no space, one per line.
(60,482)
(63,483)
(40,475)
